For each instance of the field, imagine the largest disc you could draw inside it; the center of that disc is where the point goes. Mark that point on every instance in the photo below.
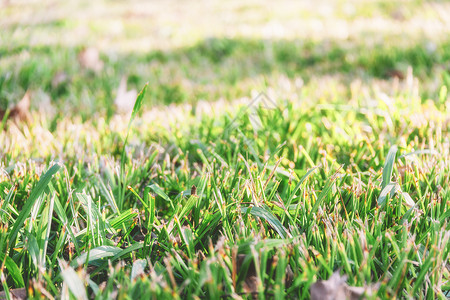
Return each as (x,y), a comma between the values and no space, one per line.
(207,150)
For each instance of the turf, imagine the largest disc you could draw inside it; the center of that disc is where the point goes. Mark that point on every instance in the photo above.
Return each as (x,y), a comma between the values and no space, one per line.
(251,165)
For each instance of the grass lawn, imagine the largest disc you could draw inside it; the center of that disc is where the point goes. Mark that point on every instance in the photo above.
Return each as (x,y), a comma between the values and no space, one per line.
(270,146)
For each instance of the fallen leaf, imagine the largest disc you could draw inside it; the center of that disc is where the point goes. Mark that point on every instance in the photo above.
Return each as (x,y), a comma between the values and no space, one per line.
(16,294)
(21,111)
(125,99)
(250,284)
(398,15)
(394,73)
(138,268)
(331,289)
(193,190)
(356,292)
(336,288)
(59,79)
(89,58)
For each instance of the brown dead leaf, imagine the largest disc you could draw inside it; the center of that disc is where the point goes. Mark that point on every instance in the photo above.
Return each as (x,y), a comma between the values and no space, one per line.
(398,14)
(289,276)
(193,190)
(331,289)
(89,58)
(250,284)
(394,73)
(356,292)
(16,294)
(61,78)
(125,99)
(21,111)
(336,288)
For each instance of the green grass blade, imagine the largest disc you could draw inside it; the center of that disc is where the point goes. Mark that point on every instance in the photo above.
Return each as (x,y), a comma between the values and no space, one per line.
(94,254)
(14,272)
(150,202)
(63,218)
(35,194)
(138,104)
(123,252)
(389,166)
(108,196)
(269,217)
(5,289)
(187,207)
(123,220)
(326,190)
(119,253)
(299,184)
(122,183)
(73,281)
(47,225)
(161,193)
(390,189)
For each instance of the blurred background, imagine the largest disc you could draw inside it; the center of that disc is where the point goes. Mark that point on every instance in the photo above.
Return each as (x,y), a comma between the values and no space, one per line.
(83,58)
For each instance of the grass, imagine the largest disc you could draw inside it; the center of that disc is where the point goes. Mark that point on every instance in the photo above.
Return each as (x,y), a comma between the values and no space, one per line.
(212,69)
(336,165)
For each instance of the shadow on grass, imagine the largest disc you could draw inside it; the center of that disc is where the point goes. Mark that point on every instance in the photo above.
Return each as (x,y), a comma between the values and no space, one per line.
(211,69)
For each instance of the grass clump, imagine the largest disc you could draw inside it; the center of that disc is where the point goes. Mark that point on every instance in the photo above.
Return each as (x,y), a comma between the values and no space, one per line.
(260,201)
(258,162)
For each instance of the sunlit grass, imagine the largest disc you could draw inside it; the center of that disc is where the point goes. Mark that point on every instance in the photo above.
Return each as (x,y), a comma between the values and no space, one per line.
(253,165)
(268,183)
